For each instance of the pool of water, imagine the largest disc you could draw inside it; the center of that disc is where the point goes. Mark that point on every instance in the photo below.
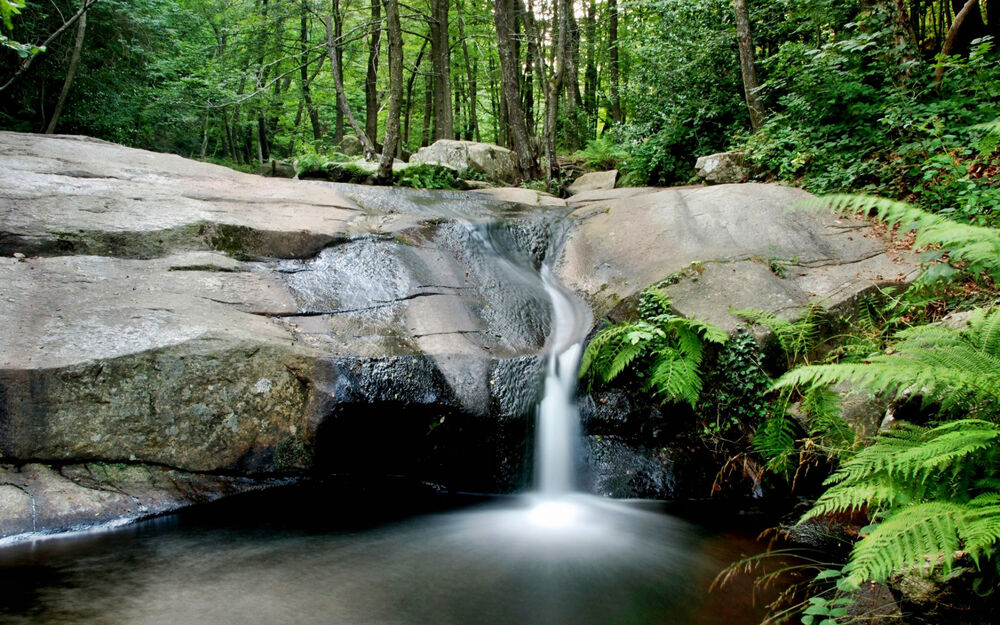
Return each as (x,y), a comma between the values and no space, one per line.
(309,556)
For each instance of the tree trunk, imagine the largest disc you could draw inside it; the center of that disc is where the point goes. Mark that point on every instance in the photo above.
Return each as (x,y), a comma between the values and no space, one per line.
(338,84)
(954,35)
(395,34)
(504,11)
(747,68)
(969,28)
(441,60)
(569,34)
(204,133)
(304,72)
(26,63)
(338,32)
(616,103)
(590,72)
(472,130)
(425,135)
(74,61)
(371,78)
(550,84)
(409,92)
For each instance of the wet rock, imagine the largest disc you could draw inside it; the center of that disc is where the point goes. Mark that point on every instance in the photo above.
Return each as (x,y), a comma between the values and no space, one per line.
(493,161)
(618,469)
(594,181)
(721,168)
(37,498)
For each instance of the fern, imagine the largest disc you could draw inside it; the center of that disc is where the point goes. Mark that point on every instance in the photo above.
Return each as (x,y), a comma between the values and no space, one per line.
(977,246)
(661,347)
(775,441)
(951,367)
(797,339)
(991,140)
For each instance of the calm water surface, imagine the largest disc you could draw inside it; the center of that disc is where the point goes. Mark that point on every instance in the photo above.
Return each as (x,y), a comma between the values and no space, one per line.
(303,557)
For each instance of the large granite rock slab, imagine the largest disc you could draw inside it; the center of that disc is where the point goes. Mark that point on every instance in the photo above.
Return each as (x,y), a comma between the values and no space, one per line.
(160,312)
(739,246)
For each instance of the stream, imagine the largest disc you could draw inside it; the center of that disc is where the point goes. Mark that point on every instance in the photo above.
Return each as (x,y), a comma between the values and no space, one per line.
(387,553)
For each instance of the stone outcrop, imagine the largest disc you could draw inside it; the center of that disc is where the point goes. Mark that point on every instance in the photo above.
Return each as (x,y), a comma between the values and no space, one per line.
(721,168)
(493,161)
(594,181)
(166,315)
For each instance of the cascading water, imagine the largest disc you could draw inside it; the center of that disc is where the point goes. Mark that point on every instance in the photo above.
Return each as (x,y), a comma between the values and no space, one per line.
(556,449)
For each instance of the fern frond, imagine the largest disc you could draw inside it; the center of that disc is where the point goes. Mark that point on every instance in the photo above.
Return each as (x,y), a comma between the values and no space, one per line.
(913,454)
(822,407)
(915,536)
(595,350)
(980,530)
(622,359)
(867,495)
(707,331)
(774,439)
(688,341)
(976,245)
(991,140)
(984,331)
(675,378)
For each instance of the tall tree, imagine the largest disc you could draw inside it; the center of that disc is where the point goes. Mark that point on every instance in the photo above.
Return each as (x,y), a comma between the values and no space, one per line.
(331,44)
(304,80)
(441,61)
(74,61)
(747,67)
(616,103)
(504,12)
(395,34)
(371,78)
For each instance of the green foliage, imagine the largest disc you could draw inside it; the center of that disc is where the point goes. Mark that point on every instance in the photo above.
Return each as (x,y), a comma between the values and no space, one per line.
(427,176)
(8,9)
(852,110)
(661,349)
(602,153)
(932,492)
(796,339)
(976,246)
(739,390)
(950,367)
(324,168)
(924,488)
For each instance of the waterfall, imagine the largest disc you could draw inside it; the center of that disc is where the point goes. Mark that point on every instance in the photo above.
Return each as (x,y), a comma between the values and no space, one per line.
(557,441)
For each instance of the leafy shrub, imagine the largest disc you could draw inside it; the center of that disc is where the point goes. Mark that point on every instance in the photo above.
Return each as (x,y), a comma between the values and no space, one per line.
(661,349)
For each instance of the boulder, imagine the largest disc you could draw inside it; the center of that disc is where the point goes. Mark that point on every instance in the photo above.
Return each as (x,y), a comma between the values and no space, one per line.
(493,161)
(594,181)
(721,168)
(277,169)
(350,146)
(716,248)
